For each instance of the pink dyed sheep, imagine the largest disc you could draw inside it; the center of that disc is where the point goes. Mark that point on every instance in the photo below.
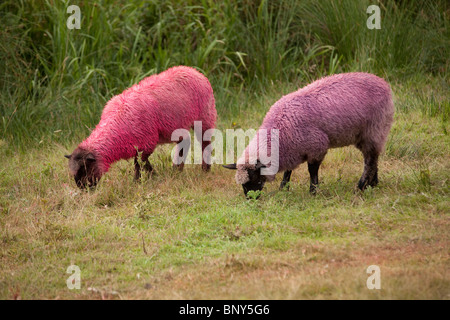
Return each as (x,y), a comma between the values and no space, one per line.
(335,111)
(142,117)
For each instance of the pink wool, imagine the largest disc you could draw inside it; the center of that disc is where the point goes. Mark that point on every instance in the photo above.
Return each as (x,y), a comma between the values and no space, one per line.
(146,114)
(335,111)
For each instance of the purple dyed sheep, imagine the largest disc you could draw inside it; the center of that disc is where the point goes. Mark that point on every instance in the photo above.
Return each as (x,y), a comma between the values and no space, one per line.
(335,111)
(142,117)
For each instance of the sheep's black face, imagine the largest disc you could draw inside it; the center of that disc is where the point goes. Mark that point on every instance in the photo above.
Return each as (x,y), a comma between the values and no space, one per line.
(85,176)
(84,168)
(250,177)
(256,182)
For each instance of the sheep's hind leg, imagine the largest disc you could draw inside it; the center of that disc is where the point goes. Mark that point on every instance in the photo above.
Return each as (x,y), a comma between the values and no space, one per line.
(206,152)
(206,163)
(181,157)
(370,173)
(286,179)
(313,168)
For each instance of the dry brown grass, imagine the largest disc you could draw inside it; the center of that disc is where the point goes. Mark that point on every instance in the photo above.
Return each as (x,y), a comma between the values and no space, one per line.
(192,235)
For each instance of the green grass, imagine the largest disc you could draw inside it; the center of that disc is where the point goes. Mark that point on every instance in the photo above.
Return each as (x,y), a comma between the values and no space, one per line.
(193,235)
(54,81)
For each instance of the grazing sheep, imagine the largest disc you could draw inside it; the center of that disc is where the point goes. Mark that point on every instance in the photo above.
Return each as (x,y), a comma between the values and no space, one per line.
(335,111)
(142,117)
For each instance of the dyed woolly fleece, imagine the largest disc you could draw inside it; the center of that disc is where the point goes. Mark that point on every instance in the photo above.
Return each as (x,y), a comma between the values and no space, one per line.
(335,111)
(146,114)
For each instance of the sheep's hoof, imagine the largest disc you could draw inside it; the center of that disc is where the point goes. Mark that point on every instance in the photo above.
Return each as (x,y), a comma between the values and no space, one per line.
(313,189)
(363,184)
(178,167)
(151,174)
(285,186)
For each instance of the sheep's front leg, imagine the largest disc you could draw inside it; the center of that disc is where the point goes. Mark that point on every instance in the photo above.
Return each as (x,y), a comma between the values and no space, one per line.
(286,179)
(313,169)
(137,167)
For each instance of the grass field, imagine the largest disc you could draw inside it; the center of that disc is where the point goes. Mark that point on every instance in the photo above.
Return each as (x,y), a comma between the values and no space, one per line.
(192,235)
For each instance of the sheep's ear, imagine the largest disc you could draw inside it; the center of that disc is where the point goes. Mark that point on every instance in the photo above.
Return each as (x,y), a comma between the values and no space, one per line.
(90,157)
(230,166)
(67,156)
(259,165)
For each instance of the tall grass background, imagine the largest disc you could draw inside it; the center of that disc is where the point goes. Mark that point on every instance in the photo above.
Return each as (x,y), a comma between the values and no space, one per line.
(55,81)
